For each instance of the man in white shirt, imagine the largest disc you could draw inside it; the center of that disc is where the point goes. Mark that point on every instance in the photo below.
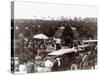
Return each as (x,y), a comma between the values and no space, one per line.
(48,65)
(58,43)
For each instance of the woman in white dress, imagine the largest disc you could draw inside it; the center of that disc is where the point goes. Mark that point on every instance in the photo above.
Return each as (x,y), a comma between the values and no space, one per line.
(22,68)
(48,64)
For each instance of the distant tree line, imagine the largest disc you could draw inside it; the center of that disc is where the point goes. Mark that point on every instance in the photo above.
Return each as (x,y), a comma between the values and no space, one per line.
(86,27)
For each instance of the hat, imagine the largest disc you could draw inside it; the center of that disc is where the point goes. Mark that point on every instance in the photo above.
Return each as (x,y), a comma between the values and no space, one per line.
(57,58)
(37,57)
(48,58)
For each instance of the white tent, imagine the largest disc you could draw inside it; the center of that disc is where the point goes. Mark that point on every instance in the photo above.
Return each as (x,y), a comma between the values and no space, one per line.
(40,36)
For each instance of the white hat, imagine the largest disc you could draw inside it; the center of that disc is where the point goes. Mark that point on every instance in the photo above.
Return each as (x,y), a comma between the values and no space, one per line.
(37,57)
(62,27)
(57,58)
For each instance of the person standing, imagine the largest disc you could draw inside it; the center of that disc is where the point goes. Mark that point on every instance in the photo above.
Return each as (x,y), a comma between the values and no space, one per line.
(37,64)
(29,66)
(58,43)
(48,64)
(84,63)
(57,65)
(22,68)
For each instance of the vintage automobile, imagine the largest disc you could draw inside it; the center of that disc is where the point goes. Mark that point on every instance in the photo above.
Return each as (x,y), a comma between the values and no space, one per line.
(68,58)
(76,58)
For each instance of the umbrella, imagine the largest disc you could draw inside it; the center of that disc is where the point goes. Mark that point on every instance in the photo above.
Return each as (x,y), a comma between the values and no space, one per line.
(40,36)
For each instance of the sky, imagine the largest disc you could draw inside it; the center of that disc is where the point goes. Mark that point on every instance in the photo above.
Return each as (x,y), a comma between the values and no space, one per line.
(30,10)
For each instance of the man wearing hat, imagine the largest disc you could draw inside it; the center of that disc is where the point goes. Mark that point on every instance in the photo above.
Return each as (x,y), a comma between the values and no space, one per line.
(57,65)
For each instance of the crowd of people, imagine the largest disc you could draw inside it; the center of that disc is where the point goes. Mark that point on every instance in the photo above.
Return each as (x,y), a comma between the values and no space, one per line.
(40,62)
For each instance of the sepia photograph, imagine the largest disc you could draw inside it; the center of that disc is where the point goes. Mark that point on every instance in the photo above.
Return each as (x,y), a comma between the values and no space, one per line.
(50,37)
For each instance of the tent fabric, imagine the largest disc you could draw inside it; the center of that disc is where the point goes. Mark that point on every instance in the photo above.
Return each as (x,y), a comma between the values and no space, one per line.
(40,36)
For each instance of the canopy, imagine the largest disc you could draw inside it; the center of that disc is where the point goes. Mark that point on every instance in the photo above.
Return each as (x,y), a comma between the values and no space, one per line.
(40,36)
(63,51)
(86,41)
(83,46)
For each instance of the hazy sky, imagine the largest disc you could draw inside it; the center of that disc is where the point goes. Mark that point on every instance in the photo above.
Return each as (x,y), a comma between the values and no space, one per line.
(28,10)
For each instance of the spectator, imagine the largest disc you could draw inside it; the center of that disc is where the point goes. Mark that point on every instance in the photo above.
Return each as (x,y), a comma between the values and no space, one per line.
(22,68)
(58,43)
(16,64)
(57,65)
(37,63)
(29,66)
(48,64)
